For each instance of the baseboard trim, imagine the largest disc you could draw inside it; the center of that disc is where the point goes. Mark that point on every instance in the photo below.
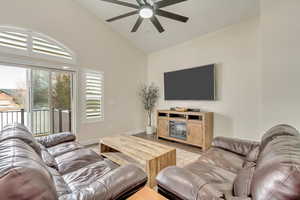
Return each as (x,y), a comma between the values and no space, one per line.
(96,141)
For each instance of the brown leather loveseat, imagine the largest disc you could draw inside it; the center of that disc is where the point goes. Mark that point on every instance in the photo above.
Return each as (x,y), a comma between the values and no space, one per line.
(240,170)
(56,167)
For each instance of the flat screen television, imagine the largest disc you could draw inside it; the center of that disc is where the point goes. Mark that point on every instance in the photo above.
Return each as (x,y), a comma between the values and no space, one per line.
(190,84)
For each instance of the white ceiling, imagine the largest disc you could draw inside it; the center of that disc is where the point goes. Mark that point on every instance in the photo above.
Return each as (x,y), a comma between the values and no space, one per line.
(205,16)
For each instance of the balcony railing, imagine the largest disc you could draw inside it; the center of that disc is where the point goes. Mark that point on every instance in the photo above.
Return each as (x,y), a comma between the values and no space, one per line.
(44,121)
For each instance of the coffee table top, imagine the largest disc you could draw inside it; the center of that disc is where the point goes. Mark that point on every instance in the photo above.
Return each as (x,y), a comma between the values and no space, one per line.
(136,147)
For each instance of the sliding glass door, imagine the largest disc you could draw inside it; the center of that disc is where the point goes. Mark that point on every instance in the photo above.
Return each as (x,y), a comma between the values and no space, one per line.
(51,105)
(42,99)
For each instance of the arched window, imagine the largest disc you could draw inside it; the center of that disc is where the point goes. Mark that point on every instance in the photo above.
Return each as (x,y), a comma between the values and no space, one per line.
(36,45)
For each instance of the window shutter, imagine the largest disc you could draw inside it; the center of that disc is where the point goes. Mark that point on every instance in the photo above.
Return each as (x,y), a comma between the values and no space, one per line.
(13,40)
(35,45)
(48,47)
(93,95)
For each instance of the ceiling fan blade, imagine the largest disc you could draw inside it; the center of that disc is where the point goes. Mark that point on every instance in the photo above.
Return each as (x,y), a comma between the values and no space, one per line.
(137,24)
(165,3)
(122,3)
(157,24)
(171,15)
(122,16)
(140,2)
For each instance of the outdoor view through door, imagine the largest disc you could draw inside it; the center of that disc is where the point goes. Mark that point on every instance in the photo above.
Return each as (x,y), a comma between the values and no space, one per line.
(38,98)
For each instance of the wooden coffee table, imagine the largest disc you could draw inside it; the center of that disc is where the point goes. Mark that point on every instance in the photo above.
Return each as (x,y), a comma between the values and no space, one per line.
(150,156)
(146,194)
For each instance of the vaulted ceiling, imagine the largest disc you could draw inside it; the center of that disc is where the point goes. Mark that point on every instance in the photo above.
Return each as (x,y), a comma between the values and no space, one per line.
(205,16)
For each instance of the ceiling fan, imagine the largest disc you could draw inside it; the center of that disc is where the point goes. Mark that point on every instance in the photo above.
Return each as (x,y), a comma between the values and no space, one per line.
(148,9)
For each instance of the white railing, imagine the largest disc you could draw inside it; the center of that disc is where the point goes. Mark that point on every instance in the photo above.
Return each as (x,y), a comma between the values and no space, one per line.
(41,120)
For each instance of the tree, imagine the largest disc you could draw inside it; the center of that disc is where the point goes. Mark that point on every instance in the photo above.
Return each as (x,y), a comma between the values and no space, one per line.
(61,92)
(40,87)
(149,96)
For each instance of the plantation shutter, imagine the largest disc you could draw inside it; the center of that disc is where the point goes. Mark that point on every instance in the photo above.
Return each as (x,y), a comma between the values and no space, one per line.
(36,45)
(48,47)
(14,40)
(93,95)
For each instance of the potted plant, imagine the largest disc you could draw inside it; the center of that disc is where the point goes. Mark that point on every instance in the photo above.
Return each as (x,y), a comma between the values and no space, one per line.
(149,95)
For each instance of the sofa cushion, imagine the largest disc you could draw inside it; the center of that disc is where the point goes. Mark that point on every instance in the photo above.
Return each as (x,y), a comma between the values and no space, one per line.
(26,184)
(223,159)
(113,184)
(20,132)
(210,172)
(63,148)
(187,185)
(242,182)
(87,175)
(23,174)
(16,153)
(54,139)
(75,160)
(238,146)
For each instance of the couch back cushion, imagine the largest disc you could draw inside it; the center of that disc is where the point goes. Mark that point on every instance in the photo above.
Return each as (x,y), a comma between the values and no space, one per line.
(277,173)
(26,184)
(23,174)
(55,139)
(238,146)
(18,131)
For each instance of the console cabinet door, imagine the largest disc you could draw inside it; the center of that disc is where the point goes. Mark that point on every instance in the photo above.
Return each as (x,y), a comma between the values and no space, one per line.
(195,133)
(163,127)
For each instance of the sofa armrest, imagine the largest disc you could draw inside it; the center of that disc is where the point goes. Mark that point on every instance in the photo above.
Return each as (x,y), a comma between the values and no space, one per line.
(55,139)
(185,185)
(239,146)
(123,181)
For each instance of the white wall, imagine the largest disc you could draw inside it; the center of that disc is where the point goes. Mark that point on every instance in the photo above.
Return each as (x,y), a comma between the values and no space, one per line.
(98,48)
(236,52)
(280,47)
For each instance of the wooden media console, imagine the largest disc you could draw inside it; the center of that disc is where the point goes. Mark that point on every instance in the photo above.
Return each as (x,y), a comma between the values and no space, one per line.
(194,128)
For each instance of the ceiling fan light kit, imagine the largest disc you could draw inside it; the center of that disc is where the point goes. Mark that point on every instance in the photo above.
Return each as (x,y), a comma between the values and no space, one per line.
(147,10)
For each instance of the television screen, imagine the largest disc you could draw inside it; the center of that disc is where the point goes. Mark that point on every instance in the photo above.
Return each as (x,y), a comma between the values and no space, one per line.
(191,84)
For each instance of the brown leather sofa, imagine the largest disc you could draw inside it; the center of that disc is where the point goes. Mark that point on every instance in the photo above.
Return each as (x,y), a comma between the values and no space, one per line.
(240,170)
(56,167)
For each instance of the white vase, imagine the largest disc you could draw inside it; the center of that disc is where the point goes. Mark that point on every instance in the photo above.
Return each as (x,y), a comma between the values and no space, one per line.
(149,130)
